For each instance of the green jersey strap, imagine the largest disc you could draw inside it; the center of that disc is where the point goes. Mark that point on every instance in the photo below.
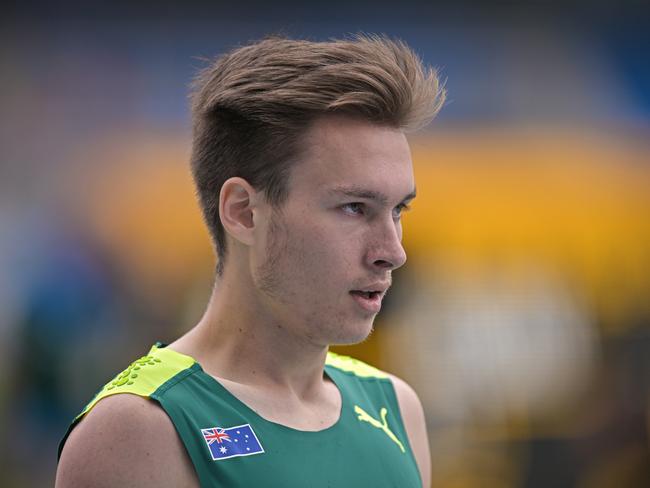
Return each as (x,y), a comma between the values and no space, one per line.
(144,376)
(351,365)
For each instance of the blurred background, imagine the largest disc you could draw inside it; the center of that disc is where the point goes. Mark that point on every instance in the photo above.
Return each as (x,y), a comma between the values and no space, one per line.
(523,315)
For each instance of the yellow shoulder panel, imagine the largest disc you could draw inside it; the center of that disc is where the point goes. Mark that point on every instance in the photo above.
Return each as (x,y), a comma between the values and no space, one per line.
(351,365)
(143,376)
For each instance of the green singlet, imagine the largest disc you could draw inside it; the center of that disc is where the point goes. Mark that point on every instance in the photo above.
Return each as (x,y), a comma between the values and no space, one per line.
(232,446)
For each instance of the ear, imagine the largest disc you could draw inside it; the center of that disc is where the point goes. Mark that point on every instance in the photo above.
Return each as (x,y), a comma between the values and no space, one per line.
(237,202)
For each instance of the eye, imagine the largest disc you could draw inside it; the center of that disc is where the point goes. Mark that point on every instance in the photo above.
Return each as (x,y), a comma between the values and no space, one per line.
(401,208)
(354,208)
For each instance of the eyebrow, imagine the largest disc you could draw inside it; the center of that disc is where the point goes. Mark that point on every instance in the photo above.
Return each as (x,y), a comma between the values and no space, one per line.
(360,192)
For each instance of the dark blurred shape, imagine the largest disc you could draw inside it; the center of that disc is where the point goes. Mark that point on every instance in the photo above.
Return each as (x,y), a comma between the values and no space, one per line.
(69,303)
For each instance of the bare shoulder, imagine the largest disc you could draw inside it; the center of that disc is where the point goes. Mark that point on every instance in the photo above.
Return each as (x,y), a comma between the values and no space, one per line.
(415,424)
(125,440)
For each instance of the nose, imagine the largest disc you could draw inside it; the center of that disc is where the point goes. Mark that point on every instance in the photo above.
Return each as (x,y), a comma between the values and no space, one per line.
(387,252)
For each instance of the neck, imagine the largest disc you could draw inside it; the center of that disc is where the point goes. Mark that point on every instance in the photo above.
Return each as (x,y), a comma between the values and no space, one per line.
(239,339)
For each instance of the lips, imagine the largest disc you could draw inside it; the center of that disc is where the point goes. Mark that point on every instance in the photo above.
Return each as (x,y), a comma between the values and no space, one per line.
(365,294)
(369,301)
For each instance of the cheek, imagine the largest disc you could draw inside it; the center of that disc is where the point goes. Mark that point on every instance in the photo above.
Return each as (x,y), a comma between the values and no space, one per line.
(322,255)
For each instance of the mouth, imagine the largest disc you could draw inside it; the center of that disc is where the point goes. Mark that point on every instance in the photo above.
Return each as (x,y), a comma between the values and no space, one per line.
(368,300)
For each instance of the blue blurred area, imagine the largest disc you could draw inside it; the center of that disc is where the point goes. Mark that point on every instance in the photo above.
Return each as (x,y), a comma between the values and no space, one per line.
(143,55)
(67,301)
(90,93)
(628,43)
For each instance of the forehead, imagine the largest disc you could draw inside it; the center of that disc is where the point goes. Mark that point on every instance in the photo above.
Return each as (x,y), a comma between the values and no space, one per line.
(344,152)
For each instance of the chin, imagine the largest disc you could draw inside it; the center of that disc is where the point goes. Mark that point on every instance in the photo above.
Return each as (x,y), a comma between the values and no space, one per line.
(354,335)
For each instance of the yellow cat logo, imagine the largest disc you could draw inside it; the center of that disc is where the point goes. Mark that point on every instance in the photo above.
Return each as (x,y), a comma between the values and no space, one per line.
(363,416)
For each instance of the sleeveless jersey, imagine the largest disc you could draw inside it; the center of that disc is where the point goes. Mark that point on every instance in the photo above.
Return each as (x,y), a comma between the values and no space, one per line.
(232,446)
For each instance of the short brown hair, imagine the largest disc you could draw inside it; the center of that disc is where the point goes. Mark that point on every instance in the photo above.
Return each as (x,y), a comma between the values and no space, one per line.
(251,106)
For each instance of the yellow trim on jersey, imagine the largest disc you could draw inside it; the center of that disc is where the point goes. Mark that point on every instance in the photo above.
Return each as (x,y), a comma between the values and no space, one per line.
(145,375)
(351,365)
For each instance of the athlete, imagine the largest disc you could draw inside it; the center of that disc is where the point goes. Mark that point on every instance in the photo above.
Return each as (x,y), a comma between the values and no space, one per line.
(303,170)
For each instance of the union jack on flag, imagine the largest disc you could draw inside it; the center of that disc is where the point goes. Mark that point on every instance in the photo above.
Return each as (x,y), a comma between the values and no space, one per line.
(231,442)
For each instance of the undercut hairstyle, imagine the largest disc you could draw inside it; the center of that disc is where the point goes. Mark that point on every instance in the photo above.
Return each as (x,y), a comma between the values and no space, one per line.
(252,106)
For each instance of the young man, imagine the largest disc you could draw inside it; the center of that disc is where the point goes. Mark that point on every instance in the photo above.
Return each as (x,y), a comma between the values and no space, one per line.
(303,170)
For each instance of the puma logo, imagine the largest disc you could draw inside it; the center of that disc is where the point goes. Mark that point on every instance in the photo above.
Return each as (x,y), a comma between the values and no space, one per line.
(363,416)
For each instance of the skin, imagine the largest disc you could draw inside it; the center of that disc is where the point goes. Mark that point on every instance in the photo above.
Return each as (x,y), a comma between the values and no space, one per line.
(283,298)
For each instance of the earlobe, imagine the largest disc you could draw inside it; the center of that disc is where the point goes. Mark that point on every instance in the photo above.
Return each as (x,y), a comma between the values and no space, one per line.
(237,201)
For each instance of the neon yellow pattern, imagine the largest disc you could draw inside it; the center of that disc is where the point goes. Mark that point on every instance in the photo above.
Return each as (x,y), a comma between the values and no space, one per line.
(143,376)
(364,416)
(352,365)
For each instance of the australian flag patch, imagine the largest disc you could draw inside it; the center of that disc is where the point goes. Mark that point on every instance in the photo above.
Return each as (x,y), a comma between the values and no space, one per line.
(232,442)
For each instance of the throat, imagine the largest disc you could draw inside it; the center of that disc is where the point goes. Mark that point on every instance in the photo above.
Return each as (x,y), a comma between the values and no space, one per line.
(319,413)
